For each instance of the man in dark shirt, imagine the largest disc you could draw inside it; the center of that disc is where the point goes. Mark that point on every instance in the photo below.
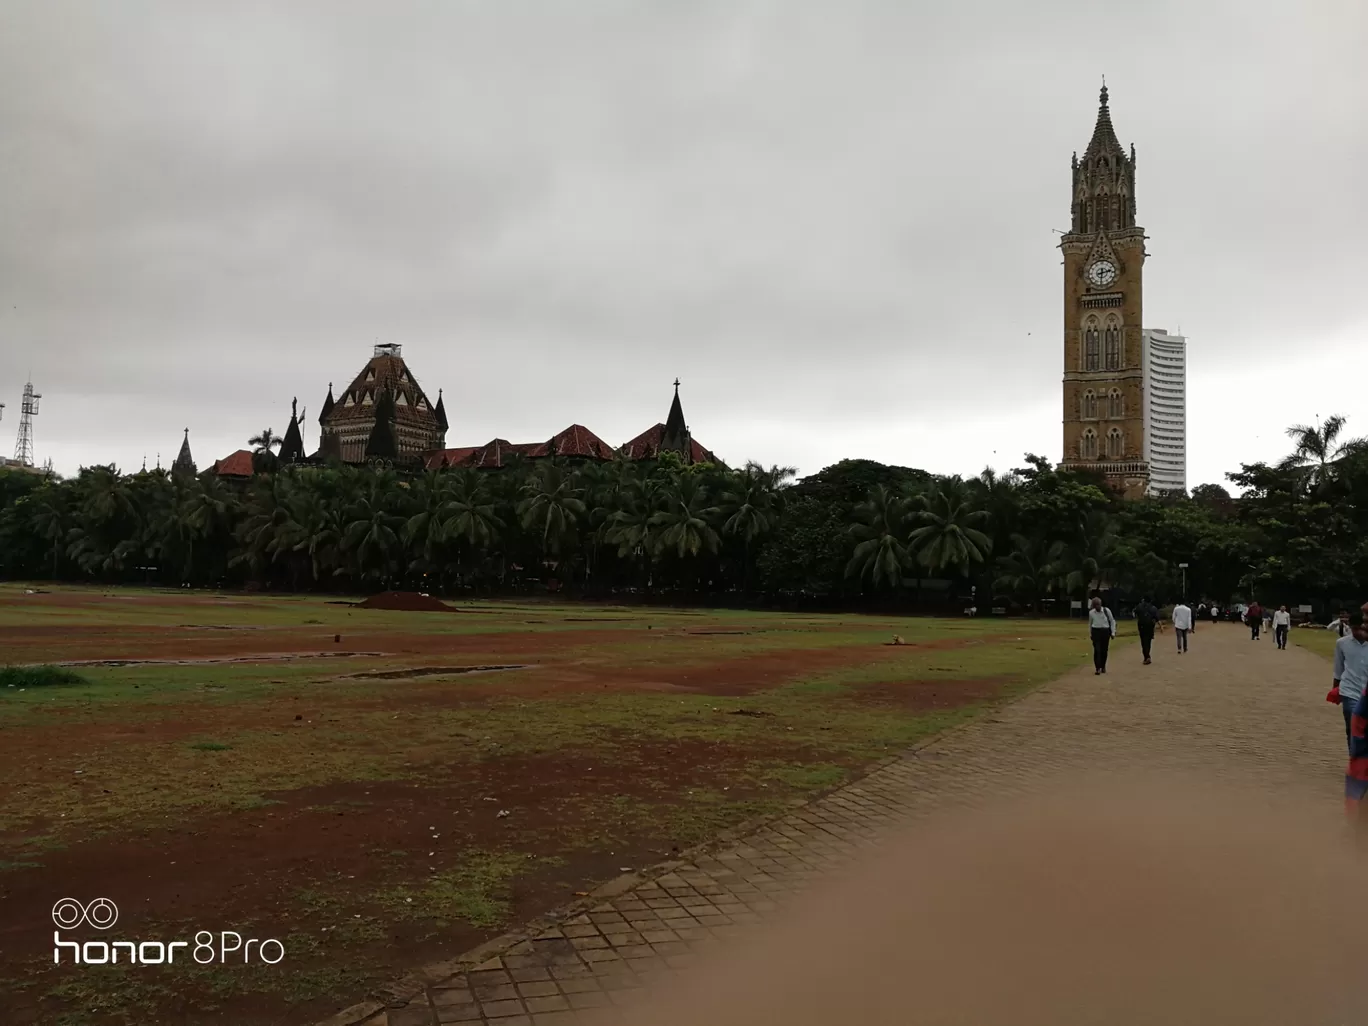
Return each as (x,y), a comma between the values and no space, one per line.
(1146,616)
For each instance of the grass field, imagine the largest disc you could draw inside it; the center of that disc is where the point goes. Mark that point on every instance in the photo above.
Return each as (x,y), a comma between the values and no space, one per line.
(379,789)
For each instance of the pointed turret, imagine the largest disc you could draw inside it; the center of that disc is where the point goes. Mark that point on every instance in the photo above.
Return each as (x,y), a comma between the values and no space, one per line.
(382,443)
(328,404)
(185,463)
(440,411)
(1104,180)
(676,435)
(292,448)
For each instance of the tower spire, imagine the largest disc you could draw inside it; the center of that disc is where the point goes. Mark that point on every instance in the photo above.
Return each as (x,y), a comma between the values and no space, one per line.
(1104,178)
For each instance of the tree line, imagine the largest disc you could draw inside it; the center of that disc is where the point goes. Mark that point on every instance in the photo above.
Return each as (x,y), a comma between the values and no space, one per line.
(857,533)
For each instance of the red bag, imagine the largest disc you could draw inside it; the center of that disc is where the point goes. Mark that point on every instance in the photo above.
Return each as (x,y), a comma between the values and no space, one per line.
(1333,696)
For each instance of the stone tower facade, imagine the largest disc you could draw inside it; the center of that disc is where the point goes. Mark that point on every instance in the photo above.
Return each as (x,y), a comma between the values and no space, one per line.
(1104,374)
(387,385)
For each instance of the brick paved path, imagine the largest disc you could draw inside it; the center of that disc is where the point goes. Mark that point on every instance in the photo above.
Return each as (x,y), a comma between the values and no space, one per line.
(1230,707)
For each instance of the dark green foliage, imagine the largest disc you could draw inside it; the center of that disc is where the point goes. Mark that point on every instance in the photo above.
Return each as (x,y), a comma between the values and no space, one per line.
(37,676)
(855,532)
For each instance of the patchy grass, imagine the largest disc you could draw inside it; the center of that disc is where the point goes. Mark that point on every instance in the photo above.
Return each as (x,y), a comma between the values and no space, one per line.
(601,745)
(1322,642)
(474,892)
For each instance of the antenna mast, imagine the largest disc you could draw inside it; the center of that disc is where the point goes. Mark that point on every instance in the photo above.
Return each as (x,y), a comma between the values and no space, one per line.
(23,449)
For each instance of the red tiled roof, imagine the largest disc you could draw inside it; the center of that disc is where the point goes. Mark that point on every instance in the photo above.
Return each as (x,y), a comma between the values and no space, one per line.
(576,440)
(439,459)
(239,464)
(646,446)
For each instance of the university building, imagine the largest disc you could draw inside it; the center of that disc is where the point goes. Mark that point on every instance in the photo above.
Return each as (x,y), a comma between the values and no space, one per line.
(385,416)
(1120,417)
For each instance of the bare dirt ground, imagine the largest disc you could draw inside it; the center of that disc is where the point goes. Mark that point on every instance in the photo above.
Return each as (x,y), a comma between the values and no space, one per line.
(384,799)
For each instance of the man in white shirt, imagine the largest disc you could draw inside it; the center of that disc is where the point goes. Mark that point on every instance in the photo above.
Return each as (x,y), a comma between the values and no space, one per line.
(1282,623)
(1182,623)
(1340,625)
(1101,628)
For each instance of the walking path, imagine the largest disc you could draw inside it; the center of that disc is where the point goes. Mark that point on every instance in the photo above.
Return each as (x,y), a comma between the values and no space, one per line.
(1231,708)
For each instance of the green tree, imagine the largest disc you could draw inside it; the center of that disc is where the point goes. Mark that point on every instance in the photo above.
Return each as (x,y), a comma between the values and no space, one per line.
(881,554)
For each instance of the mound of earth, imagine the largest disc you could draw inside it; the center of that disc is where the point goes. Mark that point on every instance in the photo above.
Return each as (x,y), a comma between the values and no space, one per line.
(409,601)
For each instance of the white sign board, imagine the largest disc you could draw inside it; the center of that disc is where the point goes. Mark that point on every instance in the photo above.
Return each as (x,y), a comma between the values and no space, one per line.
(1303,609)
(1075,604)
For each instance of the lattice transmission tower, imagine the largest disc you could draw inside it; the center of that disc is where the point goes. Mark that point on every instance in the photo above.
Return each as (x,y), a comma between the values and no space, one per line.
(23,449)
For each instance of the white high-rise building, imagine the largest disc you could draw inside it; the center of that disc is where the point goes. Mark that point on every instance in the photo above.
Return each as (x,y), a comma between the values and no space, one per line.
(1165,362)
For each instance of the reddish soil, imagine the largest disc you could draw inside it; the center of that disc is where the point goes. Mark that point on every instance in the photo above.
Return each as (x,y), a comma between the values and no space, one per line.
(406,601)
(243,871)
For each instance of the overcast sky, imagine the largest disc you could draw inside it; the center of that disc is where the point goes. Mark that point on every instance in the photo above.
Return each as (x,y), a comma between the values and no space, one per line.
(833,221)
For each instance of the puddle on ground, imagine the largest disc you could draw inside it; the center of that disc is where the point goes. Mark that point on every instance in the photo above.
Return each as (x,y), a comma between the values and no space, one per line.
(265,657)
(431,671)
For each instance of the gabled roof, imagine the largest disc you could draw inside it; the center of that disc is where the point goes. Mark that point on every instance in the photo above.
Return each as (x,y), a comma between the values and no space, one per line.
(498,452)
(441,459)
(576,440)
(239,464)
(647,446)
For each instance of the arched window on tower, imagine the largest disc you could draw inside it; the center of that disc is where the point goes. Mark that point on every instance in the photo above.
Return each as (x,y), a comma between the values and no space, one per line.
(1089,404)
(1116,407)
(1116,445)
(1112,343)
(1091,345)
(1087,445)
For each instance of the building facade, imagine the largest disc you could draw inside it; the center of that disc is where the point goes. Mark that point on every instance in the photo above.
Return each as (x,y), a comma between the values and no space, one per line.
(385,395)
(1104,367)
(1165,359)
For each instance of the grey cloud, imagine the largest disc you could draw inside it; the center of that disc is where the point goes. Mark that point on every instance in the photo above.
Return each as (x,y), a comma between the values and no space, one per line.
(823,213)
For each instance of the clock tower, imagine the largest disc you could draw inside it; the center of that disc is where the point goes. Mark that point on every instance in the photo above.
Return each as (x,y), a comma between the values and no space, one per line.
(1104,255)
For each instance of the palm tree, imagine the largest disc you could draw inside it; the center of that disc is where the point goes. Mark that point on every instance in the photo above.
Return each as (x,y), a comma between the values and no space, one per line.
(266,441)
(750,506)
(1319,449)
(471,514)
(552,506)
(49,517)
(949,535)
(1090,563)
(880,554)
(1028,571)
(630,526)
(684,521)
(372,534)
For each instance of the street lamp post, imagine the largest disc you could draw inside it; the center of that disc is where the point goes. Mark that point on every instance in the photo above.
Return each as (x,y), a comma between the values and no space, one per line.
(1183,567)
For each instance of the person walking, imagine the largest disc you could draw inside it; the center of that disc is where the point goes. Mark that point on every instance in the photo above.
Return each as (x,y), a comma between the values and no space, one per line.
(1282,623)
(1351,672)
(1102,628)
(1182,623)
(1146,617)
(1340,625)
(1254,617)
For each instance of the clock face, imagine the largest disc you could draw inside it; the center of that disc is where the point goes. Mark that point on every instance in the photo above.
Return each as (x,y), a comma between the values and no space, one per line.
(1102,273)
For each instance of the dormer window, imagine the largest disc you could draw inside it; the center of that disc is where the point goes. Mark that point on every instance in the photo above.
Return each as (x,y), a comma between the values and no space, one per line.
(366,400)
(401,400)
(351,400)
